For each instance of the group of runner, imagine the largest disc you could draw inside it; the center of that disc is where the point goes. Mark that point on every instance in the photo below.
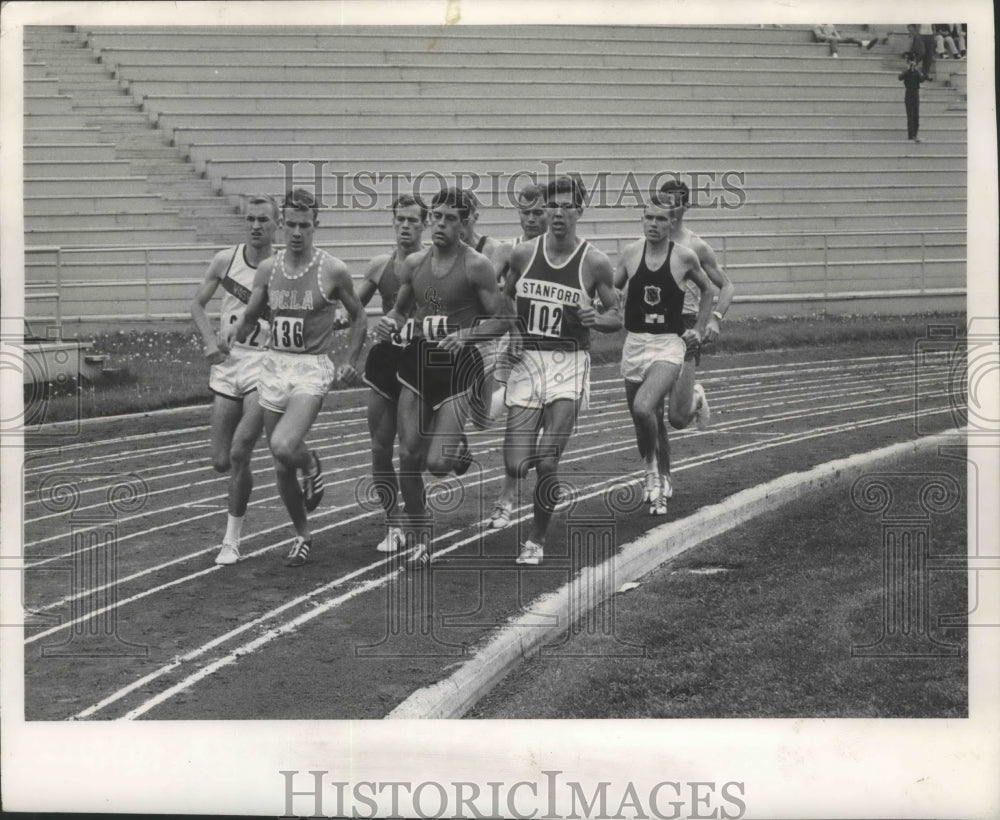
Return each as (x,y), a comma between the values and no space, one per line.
(472,330)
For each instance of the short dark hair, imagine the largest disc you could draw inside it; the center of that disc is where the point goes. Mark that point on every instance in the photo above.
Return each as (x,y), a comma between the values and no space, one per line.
(670,189)
(299,199)
(567,184)
(452,197)
(408,201)
(265,199)
(530,193)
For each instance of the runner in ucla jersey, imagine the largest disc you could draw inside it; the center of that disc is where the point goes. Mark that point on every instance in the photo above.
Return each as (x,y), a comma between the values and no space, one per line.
(300,286)
(652,273)
(447,303)
(409,218)
(236,417)
(552,284)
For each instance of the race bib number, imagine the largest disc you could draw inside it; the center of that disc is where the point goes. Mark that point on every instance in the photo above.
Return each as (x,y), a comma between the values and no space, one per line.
(257,337)
(404,335)
(435,327)
(288,334)
(545,319)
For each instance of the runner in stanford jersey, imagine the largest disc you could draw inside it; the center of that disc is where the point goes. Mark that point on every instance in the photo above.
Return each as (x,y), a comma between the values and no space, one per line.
(236,417)
(652,271)
(409,218)
(451,292)
(301,286)
(552,282)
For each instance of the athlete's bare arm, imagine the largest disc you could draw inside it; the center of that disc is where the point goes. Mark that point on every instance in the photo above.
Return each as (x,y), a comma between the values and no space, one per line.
(480,274)
(336,282)
(599,277)
(216,348)
(718,277)
(688,267)
(256,304)
(501,261)
(373,273)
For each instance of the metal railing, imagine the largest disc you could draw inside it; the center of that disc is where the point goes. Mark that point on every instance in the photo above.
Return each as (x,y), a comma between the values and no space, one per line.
(53,289)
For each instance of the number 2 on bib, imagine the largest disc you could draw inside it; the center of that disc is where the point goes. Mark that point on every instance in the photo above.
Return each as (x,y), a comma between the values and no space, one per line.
(545,319)
(287,333)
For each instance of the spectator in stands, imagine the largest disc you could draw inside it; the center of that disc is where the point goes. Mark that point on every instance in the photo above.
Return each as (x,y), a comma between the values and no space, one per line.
(827,33)
(944,43)
(958,35)
(927,35)
(912,77)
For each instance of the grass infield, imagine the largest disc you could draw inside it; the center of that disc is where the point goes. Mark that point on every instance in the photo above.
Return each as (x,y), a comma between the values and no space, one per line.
(760,623)
(156,369)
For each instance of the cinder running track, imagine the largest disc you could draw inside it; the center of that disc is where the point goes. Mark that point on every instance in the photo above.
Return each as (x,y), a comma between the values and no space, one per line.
(130,618)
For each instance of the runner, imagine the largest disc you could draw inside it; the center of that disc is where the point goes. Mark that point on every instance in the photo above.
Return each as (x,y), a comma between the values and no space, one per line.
(652,272)
(409,218)
(451,292)
(301,286)
(236,417)
(552,282)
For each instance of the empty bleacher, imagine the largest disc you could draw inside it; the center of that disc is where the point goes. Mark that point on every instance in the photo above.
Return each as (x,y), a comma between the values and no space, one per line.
(141,144)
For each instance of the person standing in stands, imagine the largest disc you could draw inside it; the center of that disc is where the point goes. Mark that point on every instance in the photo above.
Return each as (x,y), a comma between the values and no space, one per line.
(301,286)
(409,218)
(911,79)
(236,418)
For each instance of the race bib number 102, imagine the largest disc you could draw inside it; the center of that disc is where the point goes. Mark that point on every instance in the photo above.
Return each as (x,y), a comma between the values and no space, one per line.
(545,319)
(287,333)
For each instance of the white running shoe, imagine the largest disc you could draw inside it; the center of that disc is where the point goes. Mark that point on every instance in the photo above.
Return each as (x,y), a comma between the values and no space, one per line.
(652,485)
(299,553)
(229,554)
(668,486)
(699,406)
(659,506)
(531,553)
(501,516)
(393,540)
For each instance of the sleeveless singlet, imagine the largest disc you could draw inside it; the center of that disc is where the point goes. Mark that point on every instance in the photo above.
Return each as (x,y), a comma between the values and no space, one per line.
(237,285)
(302,318)
(444,303)
(388,284)
(654,301)
(548,300)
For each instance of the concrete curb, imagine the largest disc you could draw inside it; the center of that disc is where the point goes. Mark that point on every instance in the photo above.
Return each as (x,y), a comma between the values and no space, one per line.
(456,694)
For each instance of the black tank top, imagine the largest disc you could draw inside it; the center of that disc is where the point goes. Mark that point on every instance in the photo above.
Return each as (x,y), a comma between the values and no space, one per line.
(655,301)
(548,299)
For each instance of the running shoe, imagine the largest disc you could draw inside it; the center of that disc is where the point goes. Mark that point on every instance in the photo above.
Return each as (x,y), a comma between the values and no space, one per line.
(659,506)
(299,553)
(531,553)
(420,559)
(312,485)
(229,554)
(501,516)
(652,486)
(464,457)
(393,541)
(699,406)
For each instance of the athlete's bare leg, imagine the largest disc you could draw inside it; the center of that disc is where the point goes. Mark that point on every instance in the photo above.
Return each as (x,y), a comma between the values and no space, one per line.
(286,434)
(382,427)
(244,440)
(558,422)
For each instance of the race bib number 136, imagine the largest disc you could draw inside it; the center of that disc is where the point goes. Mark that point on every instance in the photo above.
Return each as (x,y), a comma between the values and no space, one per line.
(287,334)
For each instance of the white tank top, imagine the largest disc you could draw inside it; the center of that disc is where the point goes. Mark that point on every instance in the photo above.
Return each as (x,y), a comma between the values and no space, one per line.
(236,287)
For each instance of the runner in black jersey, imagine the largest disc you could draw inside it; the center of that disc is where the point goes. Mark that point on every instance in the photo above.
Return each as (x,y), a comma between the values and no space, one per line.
(447,303)
(552,283)
(236,417)
(409,218)
(300,286)
(652,272)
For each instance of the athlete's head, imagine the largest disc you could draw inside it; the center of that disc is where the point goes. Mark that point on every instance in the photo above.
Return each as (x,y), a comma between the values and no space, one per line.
(530,202)
(564,198)
(469,229)
(262,220)
(674,192)
(409,217)
(299,214)
(450,212)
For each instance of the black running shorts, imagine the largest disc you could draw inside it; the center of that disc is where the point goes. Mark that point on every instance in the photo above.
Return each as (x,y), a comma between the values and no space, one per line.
(435,374)
(381,368)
